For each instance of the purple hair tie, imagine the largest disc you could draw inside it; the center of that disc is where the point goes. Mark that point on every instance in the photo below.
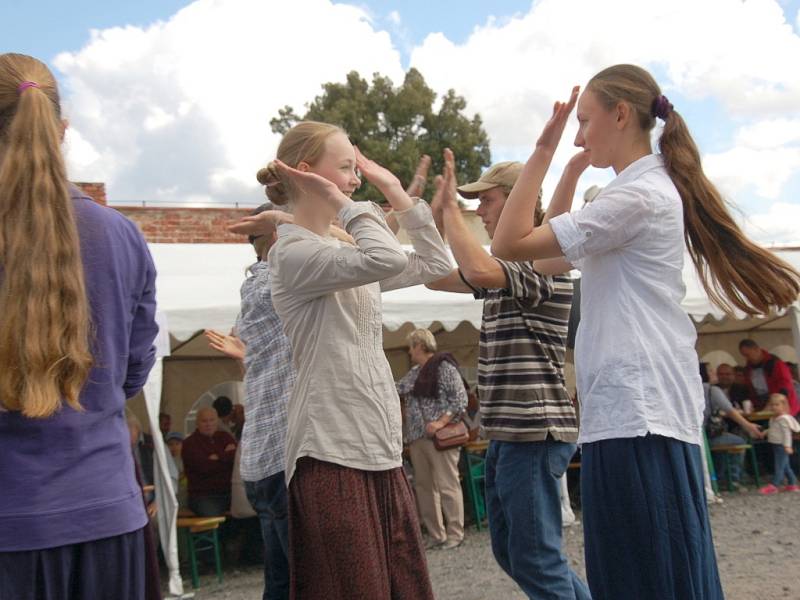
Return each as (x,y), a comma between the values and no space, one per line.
(25,85)
(661,107)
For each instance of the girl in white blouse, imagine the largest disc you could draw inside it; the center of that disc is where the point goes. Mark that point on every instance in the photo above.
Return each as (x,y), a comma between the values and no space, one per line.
(353,527)
(646,523)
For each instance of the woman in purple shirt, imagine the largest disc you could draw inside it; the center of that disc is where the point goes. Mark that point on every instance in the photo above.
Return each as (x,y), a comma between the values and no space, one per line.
(77,308)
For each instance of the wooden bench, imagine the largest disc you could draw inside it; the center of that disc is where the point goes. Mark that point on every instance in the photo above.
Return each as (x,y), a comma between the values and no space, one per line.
(201,533)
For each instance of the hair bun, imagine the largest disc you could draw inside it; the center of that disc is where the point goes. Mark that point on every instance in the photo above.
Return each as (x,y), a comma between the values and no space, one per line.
(274,187)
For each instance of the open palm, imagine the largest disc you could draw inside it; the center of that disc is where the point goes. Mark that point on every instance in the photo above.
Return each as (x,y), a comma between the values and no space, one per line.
(554,128)
(381,177)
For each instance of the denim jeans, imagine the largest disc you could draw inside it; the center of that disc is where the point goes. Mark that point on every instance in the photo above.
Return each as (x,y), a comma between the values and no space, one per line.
(268,498)
(737,460)
(523,498)
(782,467)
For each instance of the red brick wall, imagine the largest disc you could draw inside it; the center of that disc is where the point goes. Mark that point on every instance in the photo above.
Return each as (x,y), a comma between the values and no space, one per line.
(186,225)
(203,225)
(95,190)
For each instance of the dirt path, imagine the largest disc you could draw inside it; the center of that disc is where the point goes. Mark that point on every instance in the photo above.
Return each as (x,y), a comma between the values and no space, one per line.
(757,540)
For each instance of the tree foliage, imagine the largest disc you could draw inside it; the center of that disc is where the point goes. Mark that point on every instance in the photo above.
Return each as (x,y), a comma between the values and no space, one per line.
(396,125)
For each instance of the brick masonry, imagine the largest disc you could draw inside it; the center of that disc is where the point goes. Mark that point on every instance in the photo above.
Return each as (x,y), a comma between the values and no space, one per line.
(204,225)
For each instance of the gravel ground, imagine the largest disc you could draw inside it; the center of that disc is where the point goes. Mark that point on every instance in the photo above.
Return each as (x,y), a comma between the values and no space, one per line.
(757,540)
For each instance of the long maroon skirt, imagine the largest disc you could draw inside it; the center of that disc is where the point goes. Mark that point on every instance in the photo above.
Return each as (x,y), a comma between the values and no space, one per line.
(354,535)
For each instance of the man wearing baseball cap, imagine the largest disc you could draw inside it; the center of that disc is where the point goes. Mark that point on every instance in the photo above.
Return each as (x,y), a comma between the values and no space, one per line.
(526,410)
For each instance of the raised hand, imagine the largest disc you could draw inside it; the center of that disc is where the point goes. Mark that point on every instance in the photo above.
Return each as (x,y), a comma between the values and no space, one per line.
(438,186)
(385,181)
(229,345)
(449,195)
(420,179)
(554,128)
(578,163)
(379,176)
(313,185)
(264,223)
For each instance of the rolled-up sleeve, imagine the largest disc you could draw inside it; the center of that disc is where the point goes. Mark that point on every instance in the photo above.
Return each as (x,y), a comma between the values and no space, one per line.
(616,217)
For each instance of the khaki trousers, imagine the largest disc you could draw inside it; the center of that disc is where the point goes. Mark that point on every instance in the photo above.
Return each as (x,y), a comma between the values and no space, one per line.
(439,497)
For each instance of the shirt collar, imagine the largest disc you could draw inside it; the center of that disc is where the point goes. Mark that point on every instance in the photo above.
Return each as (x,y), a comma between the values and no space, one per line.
(637,168)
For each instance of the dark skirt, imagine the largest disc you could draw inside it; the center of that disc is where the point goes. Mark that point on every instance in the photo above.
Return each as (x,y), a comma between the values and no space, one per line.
(354,535)
(109,568)
(646,522)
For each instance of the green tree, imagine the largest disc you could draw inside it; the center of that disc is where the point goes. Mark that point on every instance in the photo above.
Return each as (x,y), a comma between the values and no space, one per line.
(396,125)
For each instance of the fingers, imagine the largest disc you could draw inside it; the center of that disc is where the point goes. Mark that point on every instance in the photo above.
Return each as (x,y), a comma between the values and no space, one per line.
(573,97)
(423,166)
(438,183)
(449,168)
(361,160)
(254,224)
(449,159)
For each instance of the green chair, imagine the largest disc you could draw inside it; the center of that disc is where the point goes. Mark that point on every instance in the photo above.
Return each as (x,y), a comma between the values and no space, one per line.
(728,450)
(200,534)
(474,468)
(712,472)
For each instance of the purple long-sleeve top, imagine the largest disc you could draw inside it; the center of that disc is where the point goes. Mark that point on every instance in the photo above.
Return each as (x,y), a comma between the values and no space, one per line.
(70,478)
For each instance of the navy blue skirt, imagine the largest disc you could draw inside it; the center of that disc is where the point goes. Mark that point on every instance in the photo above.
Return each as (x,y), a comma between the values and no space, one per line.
(645,521)
(109,568)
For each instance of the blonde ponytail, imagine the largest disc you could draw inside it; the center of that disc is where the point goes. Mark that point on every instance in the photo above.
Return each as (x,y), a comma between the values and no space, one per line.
(44,311)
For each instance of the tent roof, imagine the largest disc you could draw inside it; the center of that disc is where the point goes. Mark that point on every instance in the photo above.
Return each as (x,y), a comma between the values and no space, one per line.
(198,287)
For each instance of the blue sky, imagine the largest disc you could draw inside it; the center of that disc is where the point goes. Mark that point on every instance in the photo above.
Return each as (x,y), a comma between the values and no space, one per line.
(735,82)
(43,28)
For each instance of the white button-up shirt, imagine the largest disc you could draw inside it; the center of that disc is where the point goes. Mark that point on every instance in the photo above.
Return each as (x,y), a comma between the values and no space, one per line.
(344,406)
(635,358)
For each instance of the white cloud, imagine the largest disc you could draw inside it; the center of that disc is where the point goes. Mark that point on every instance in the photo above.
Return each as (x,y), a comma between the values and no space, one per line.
(779,225)
(181,109)
(511,71)
(765,156)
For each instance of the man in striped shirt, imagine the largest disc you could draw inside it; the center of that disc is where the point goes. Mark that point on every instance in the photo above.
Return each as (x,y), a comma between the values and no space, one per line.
(525,408)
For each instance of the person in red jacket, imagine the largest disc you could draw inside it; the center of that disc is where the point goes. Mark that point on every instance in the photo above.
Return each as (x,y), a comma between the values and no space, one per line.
(208,463)
(767,374)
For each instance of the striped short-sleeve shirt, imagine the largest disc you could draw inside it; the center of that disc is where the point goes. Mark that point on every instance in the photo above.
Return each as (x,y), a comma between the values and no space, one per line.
(521,364)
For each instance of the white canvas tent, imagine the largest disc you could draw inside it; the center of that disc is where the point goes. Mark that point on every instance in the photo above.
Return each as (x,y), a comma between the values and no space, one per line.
(198,288)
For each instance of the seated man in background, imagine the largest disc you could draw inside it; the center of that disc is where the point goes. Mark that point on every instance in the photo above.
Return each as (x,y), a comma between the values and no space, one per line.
(208,463)
(726,380)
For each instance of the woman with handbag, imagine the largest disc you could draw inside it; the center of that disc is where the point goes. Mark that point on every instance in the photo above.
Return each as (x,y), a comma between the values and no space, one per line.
(435,396)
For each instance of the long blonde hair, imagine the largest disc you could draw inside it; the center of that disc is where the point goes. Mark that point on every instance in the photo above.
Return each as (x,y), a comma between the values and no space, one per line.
(736,272)
(44,312)
(305,142)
